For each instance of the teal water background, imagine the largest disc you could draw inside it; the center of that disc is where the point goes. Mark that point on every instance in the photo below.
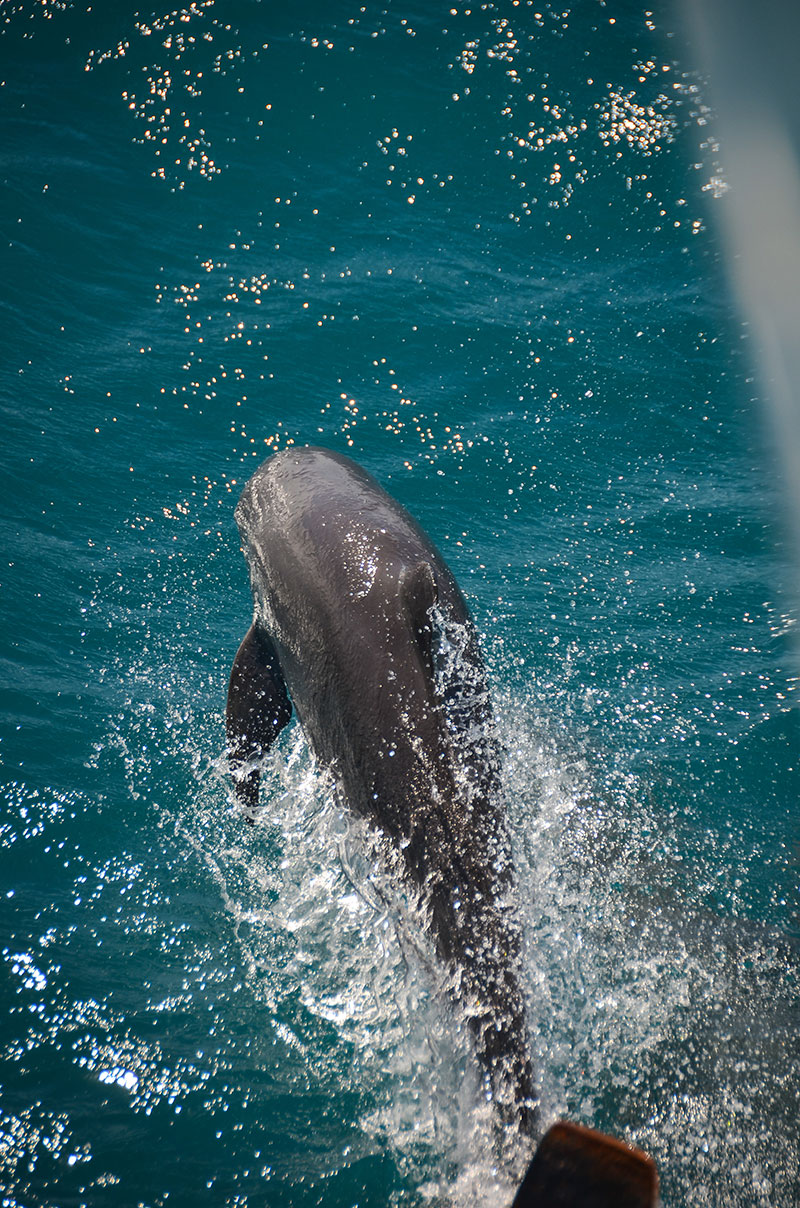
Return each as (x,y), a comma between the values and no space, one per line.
(475,247)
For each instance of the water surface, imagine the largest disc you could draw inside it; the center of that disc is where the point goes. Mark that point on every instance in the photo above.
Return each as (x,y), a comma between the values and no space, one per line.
(474,247)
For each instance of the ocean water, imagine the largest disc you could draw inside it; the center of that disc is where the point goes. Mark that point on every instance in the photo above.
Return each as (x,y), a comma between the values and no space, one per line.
(475,246)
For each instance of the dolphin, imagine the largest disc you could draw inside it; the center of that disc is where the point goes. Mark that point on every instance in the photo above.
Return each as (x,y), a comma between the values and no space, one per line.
(360,627)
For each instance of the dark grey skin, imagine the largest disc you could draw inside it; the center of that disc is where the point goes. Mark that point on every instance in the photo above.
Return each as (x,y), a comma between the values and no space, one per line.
(360,625)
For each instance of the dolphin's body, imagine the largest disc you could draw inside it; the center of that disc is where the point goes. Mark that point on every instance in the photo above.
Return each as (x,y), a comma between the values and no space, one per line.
(361,626)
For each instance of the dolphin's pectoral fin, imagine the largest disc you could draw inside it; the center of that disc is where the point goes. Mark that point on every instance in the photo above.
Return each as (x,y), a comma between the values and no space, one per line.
(419,592)
(258,709)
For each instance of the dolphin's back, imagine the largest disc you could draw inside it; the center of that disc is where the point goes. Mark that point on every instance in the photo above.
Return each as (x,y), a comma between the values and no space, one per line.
(344,581)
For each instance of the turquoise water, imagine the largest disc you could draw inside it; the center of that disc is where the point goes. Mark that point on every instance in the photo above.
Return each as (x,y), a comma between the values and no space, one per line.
(476,249)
